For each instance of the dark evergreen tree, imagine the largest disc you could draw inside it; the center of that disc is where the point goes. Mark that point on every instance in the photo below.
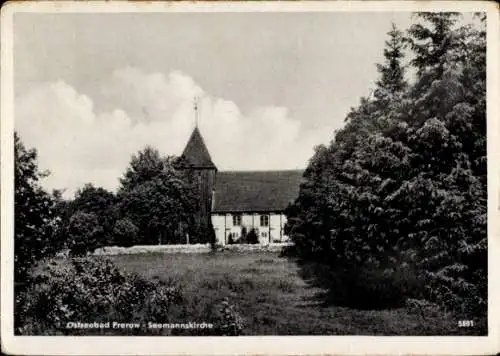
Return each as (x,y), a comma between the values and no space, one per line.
(450,161)
(335,176)
(433,42)
(403,186)
(392,81)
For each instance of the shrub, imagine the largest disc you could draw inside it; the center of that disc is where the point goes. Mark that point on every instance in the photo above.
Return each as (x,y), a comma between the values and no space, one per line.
(244,233)
(125,233)
(93,290)
(252,237)
(210,233)
(84,233)
(228,321)
(286,286)
(422,307)
(247,237)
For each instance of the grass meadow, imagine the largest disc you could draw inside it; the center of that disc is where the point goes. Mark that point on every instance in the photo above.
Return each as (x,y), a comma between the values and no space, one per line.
(274,296)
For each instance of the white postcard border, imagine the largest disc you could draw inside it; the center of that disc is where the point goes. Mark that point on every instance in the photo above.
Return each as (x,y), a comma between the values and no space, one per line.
(345,345)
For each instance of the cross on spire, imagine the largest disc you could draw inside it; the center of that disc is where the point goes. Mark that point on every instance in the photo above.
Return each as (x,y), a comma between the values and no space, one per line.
(195,103)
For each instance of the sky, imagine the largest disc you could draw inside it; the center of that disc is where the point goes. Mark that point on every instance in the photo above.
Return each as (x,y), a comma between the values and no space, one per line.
(93,89)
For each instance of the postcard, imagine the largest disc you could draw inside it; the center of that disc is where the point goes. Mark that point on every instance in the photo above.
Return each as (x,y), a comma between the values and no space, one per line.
(250,178)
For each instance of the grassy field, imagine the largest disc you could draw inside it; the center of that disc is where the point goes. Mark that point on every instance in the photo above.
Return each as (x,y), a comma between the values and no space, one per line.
(272,297)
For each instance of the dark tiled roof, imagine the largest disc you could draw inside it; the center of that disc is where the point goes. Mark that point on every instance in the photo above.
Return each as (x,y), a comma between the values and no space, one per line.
(255,191)
(196,152)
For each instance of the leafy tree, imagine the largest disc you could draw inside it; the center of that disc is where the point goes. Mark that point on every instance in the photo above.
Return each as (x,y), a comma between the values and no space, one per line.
(34,215)
(62,205)
(125,233)
(144,166)
(88,199)
(156,197)
(161,199)
(156,208)
(100,202)
(84,233)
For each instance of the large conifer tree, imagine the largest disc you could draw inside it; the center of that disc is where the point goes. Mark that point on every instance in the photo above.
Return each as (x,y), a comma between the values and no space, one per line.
(404,182)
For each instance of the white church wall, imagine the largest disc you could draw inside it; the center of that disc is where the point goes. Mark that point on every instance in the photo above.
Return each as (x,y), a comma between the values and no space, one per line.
(218,222)
(224,227)
(275,227)
(263,235)
(232,229)
(247,221)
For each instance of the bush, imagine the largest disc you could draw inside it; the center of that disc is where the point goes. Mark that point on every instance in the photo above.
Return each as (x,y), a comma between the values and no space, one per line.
(422,307)
(91,290)
(125,233)
(247,237)
(252,237)
(83,233)
(228,321)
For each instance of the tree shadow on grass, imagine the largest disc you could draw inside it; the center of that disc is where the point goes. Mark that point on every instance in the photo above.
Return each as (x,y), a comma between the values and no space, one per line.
(362,289)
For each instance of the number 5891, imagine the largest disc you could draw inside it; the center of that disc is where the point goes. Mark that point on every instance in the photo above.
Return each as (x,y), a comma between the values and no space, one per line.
(465,323)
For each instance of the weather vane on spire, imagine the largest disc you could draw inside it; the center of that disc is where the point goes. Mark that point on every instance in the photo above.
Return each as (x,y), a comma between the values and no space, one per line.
(195,102)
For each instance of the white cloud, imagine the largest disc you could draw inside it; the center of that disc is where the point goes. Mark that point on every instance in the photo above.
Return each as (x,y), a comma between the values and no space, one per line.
(79,145)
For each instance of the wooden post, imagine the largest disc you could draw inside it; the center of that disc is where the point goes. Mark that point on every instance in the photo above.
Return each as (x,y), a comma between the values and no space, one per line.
(269,227)
(225,229)
(281,227)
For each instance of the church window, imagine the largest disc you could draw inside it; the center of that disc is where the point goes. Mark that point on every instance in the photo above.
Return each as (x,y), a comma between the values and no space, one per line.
(264,220)
(237,220)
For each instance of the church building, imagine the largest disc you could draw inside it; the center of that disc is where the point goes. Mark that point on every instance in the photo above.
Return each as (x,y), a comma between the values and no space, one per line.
(238,201)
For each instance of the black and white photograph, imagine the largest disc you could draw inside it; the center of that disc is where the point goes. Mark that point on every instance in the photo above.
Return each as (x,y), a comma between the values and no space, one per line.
(207,171)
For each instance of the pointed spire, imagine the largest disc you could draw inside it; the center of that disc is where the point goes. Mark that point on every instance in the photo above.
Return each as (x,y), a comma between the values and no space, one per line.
(196,152)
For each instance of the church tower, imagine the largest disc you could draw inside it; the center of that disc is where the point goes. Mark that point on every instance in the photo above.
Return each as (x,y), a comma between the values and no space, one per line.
(197,159)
